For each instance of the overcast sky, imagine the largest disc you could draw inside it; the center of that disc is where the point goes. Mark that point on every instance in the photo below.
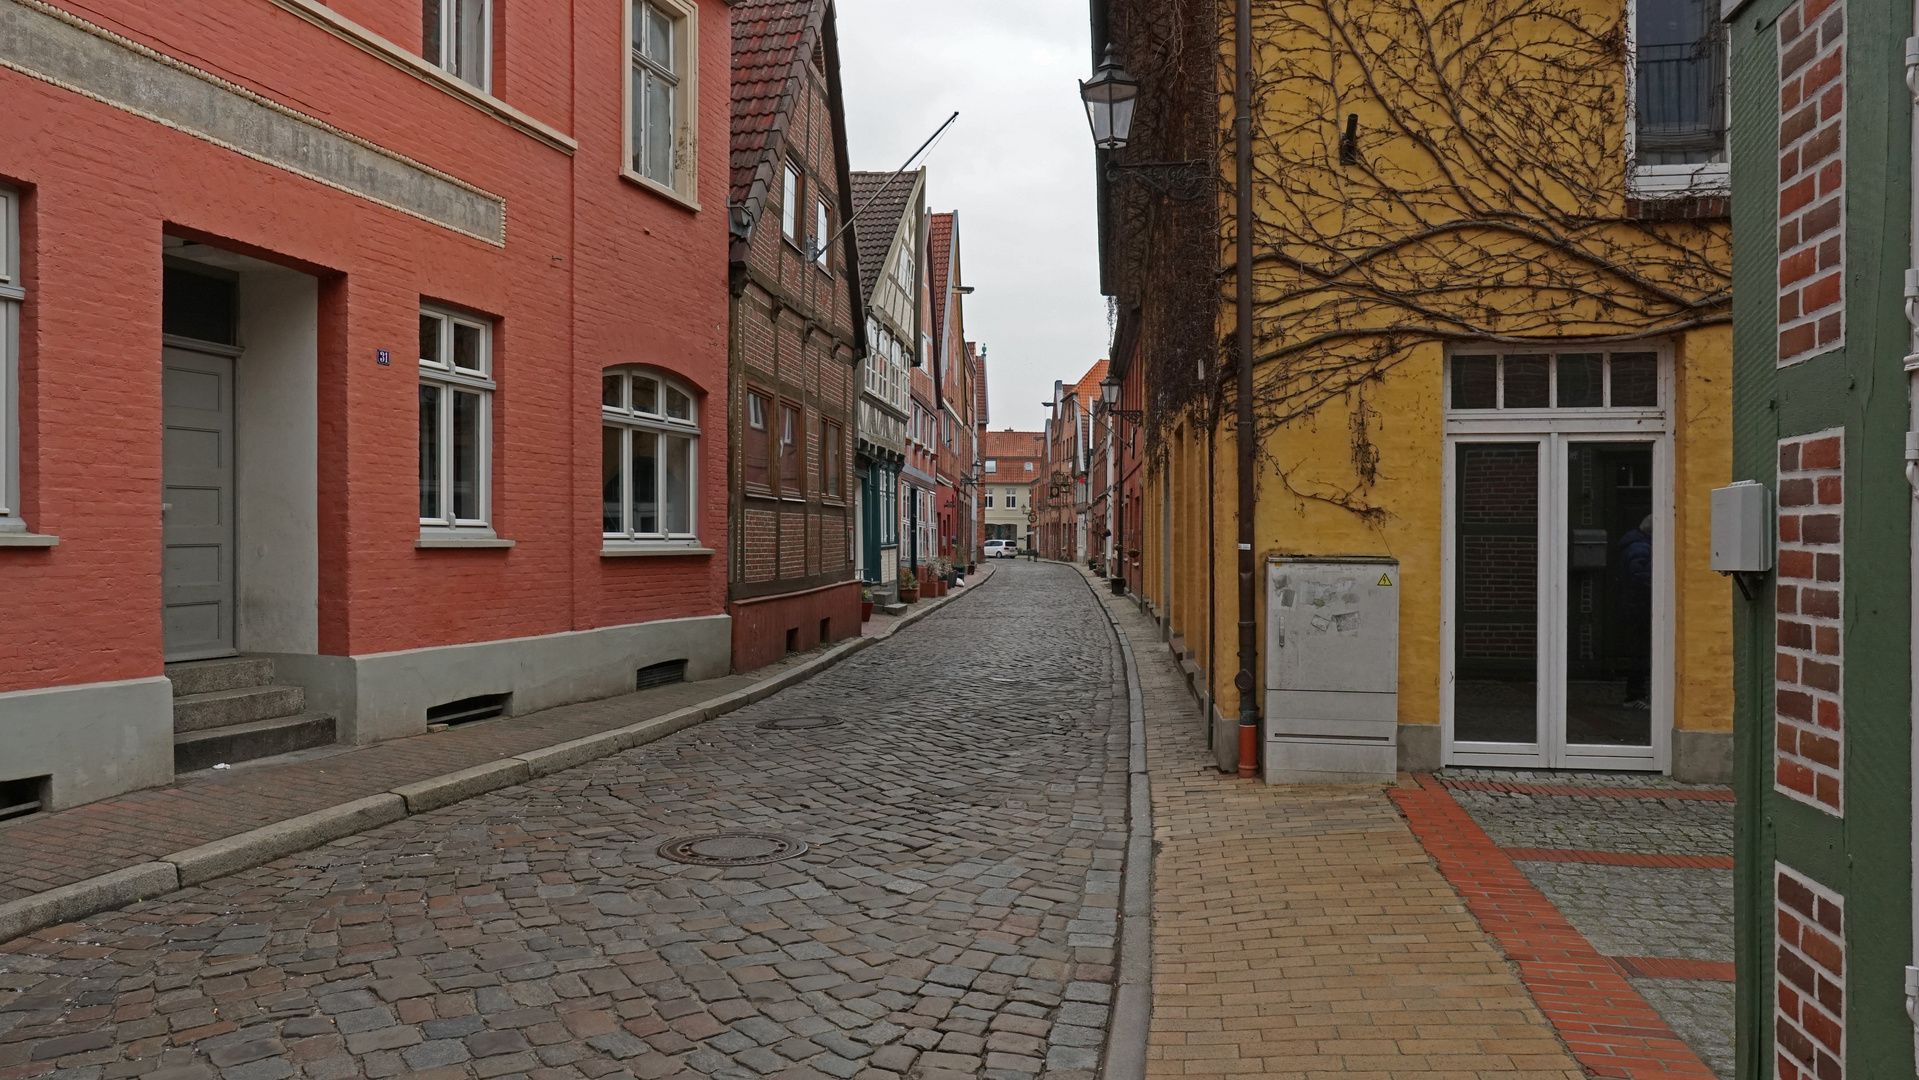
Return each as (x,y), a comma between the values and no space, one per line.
(1017,165)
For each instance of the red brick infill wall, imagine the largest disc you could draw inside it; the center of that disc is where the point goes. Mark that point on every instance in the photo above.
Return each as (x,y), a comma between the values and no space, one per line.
(1809,1021)
(1812,212)
(1809,746)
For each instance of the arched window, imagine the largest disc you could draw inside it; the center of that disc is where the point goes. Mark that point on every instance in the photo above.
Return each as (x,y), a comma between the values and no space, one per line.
(649,457)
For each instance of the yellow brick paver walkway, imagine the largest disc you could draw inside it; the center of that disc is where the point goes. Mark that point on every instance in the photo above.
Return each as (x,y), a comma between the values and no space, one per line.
(1302,932)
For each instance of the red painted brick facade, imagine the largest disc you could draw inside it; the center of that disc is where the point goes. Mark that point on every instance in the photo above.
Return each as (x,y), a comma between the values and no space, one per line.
(1809,1019)
(1812,212)
(594,271)
(1809,696)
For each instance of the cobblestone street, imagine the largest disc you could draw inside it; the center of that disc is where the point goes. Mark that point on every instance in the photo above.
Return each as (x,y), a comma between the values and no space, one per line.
(961,792)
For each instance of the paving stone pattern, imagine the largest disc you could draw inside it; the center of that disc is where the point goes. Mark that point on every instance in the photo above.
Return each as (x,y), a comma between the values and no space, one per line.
(1631,824)
(1303,932)
(954,916)
(1630,911)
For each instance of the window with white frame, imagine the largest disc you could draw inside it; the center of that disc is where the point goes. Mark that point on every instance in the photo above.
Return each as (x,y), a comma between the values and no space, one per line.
(1029,466)
(1553,381)
(456,421)
(458,37)
(791,217)
(1679,89)
(992,465)
(12,293)
(649,457)
(989,500)
(822,233)
(659,90)
(1012,498)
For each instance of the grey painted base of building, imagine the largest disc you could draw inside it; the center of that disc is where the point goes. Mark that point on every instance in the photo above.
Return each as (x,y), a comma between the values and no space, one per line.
(93,739)
(97,740)
(1702,757)
(1418,748)
(380,696)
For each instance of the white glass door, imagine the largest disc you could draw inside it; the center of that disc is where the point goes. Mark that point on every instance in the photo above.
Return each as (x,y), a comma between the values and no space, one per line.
(1555,639)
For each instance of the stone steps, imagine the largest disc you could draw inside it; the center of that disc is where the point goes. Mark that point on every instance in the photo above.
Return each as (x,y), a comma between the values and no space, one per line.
(231,710)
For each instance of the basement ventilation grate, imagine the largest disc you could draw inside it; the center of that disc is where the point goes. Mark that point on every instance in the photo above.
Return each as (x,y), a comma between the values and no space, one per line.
(663,674)
(28,795)
(468,710)
(800,723)
(733,849)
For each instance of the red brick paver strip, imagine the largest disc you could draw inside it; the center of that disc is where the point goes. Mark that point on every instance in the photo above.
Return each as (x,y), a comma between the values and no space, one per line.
(1608,1026)
(1618,858)
(1697,794)
(1666,967)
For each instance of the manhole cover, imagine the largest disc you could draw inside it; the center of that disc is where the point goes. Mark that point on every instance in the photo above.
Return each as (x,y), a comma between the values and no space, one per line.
(732,849)
(801,723)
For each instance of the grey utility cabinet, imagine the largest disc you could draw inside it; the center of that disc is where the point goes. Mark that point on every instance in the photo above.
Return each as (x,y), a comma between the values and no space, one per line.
(1332,669)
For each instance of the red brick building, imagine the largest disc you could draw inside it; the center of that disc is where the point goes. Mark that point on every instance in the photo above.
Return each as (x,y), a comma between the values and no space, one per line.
(366,343)
(797,336)
(1068,528)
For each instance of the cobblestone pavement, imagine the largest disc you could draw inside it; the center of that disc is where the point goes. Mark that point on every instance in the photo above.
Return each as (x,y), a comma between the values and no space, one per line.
(1631,911)
(953,916)
(1302,932)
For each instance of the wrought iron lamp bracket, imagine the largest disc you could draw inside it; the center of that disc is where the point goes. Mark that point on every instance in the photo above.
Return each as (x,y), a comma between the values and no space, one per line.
(1185,181)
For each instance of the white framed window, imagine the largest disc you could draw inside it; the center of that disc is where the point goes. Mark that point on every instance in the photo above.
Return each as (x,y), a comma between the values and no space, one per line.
(458,37)
(1677,91)
(992,465)
(1012,498)
(662,97)
(456,422)
(13,294)
(649,458)
(790,218)
(1029,466)
(989,500)
(822,233)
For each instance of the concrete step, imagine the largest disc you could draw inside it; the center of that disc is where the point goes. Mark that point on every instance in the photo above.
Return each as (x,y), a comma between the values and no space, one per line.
(221,708)
(207,676)
(194,750)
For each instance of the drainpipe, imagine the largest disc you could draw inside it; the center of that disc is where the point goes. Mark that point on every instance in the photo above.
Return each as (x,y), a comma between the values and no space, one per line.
(1243,441)
(1912,476)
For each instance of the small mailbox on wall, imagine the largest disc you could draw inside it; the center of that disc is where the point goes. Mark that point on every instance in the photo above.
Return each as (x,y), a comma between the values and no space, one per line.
(1332,670)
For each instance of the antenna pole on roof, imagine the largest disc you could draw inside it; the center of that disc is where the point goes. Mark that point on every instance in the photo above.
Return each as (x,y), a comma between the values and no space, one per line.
(845,225)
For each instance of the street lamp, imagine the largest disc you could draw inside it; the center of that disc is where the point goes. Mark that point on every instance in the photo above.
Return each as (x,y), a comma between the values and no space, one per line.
(1110,96)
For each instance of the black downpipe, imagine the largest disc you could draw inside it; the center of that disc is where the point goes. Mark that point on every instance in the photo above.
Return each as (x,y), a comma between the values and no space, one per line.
(1245,435)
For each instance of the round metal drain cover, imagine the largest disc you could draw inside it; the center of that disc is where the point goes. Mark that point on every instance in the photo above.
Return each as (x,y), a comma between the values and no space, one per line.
(801,723)
(732,849)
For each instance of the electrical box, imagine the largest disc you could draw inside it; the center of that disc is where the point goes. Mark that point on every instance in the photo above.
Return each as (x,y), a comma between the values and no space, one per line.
(1742,528)
(1332,670)
(1589,549)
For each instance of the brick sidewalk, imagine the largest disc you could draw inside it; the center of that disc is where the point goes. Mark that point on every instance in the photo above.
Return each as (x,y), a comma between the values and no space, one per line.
(1303,931)
(45,851)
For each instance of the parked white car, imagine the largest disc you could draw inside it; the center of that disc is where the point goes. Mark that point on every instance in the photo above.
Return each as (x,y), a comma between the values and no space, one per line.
(1001,549)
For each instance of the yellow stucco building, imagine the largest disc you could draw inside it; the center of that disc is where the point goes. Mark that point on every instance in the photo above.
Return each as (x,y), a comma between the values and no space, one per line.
(1493,357)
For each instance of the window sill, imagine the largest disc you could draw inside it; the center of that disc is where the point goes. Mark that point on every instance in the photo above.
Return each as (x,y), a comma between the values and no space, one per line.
(359,36)
(657,188)
(455,542)
(631,551)
(27,540)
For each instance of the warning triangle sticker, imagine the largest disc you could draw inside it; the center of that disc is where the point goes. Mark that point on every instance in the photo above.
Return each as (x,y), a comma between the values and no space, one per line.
(1385,580)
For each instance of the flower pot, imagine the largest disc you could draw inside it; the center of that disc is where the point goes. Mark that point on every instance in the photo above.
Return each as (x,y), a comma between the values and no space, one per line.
(866,610)
(909,592)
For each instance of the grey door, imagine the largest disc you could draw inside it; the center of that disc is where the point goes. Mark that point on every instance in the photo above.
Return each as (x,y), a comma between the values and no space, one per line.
(196,577)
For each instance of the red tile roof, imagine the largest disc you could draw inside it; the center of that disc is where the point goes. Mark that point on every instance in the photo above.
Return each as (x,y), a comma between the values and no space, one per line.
(772,41)
(980,415)
(939,254)
(1012,444)
(1087,389)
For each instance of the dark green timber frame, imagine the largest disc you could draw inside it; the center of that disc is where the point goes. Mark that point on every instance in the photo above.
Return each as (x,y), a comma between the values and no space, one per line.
(1866,856)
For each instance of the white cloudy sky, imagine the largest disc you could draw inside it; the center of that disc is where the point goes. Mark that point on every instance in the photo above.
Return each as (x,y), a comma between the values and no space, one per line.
(1017,165)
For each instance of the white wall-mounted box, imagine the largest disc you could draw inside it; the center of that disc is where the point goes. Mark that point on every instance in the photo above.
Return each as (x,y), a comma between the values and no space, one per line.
(1742,528)
(1332,670)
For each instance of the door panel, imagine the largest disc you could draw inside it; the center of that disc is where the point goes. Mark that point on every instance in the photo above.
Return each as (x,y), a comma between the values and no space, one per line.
(197,490)
(1496,595)
(1609,589)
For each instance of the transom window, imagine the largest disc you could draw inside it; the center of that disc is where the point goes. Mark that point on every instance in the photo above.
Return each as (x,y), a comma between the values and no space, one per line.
(1582,380)
(656,86)
(456,420)
(649,457)
(459,38)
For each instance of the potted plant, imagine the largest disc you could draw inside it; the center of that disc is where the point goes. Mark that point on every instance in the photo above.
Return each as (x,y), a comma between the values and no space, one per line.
(866,603)
(909,589)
